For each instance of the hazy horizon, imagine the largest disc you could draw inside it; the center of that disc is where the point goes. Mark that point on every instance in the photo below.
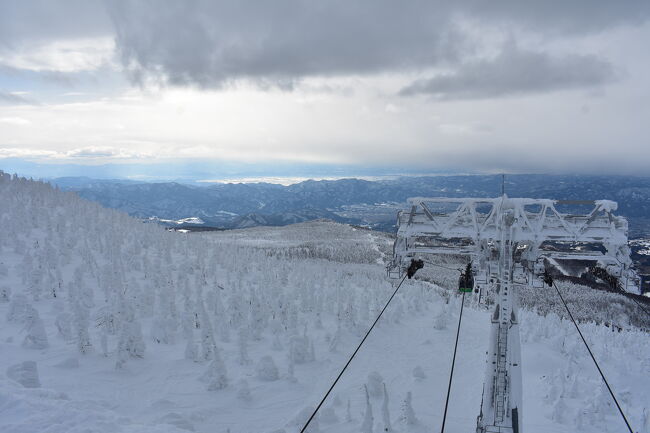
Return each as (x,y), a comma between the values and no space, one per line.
(210,173)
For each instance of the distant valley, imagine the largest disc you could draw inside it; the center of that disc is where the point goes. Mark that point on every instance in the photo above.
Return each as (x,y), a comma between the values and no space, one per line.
(371,204)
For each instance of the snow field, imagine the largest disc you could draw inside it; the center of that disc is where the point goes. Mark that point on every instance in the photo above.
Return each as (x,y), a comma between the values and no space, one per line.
(165,332)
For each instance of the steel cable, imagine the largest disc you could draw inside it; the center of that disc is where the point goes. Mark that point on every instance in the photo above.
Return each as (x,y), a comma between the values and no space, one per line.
(453,363)
(594,359)
(351,357)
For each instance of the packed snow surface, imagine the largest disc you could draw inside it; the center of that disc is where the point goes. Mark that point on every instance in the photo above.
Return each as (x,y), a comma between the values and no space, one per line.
(112,325)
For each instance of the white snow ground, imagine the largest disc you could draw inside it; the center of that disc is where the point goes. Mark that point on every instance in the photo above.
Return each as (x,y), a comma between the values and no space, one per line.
(263,290)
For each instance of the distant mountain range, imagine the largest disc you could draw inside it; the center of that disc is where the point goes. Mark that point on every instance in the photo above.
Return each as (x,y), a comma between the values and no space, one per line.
(354,201)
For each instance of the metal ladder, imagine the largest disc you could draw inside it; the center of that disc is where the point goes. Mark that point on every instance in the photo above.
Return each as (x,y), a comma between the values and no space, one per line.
(501,391)
(501,385)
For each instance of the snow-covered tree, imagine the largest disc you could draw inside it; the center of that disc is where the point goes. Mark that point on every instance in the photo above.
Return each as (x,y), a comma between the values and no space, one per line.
(81,322)
(334,341)
(328,415)
(418,373)
(208,344)
(348,412)
(36,337)
(579,420)
(300,420)
(300,349)
(63,323)
(216,375)
(192,350)
(242,344)
(368,420)
(554,384)
(407,415)
(5,293)
(221,317)
(573,390)
(560,409)
(441,320)
(276,344)
(188,314)
(265,288)
(18,309)
(257,315)
(266,369)
(165,323)
(375,384)
(291,371)
(645,420)
(131,343)
(243,390)
(385,413)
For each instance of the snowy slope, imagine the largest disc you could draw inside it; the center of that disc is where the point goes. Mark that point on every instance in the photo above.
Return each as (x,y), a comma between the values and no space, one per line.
(135,329)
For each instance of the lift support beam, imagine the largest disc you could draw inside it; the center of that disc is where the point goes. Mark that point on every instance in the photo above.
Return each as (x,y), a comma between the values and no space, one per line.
(500,235)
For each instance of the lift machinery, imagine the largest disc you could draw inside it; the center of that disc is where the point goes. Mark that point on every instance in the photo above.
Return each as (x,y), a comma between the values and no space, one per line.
(510,242)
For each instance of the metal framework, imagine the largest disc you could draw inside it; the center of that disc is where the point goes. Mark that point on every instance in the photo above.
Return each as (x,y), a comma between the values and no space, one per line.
(509,241)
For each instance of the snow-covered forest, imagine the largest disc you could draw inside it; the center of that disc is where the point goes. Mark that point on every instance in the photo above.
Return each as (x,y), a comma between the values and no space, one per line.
(110,324)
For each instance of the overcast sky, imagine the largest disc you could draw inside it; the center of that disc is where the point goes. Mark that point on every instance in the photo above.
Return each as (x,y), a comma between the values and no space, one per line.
(465,85)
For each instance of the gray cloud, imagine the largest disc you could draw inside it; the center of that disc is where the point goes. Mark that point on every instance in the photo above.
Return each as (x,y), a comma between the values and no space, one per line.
(89,153)
(8,98)
(211,42)
(103,152)
(22,22)
(515,71)
(561,16)
(92,152)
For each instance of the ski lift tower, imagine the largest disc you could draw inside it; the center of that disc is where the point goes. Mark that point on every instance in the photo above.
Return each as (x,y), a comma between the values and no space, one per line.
(509,242)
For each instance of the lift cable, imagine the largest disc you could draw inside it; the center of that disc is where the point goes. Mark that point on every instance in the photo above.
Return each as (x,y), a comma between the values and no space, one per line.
(351,357)
(593,358)
(639,304)
(615,284)
(453,363)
